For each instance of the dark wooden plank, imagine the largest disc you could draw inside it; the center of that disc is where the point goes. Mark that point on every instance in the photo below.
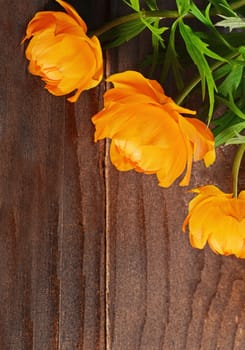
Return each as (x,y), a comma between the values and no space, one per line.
(59,192)
(52,207)
(163,294)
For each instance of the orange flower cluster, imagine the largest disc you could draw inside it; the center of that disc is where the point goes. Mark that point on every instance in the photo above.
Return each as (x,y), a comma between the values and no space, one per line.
(62,54)
(148,132)
(219,219)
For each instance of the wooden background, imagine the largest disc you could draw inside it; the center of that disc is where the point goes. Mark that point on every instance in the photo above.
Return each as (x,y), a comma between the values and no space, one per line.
(92,258)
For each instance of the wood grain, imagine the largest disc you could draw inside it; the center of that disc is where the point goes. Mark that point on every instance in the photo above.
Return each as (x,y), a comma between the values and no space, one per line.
(52,208)
(91,258)
(163,293)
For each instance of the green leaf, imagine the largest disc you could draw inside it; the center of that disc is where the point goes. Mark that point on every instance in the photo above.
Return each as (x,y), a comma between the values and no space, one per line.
(226,135)
(156,43)
(223,43)
(227,126)
(223,7)
(134,4)
(225,121)
(231,22)
(122,33)
(222,71)
(242,51)
(152,25)
(152,4)
(171,60)
(232,80)
(205,19)
(237,140)
(183,6)
(231,105)
(126,31)
(197,50)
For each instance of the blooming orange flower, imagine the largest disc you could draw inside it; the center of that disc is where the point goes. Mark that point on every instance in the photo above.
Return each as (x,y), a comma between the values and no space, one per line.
(62,54)
(148,132)
(219,219)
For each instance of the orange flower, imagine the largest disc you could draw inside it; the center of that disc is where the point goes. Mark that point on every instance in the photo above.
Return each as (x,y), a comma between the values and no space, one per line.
(219,219)
(148,132)
(62,54)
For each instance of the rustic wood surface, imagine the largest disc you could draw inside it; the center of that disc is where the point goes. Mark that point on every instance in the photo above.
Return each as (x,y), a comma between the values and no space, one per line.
(92,258)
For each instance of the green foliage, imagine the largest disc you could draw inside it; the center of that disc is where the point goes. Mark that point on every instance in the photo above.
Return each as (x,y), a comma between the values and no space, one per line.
(222,7)
(171,60)
(198,50)
(237,140)
(230,134)
(183,6)
(214,54)
(122,33)
(231,22)
(202,17)
(128,29)
(152,4)
(134,4)
(232,80)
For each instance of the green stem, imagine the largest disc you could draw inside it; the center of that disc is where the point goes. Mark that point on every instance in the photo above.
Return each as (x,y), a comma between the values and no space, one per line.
(132,16)
(238,4)
(236,167)
(146,14)
(197,80)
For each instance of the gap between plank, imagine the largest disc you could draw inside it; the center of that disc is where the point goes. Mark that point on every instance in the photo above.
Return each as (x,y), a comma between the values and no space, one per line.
(107,227)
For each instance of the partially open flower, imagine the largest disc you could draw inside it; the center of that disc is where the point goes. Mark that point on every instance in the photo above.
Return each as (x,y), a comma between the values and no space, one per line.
(219,219)
(148,132)
(62,54)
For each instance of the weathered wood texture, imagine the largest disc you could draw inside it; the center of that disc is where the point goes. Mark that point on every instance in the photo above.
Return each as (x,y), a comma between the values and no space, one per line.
(92,258)
(52,207)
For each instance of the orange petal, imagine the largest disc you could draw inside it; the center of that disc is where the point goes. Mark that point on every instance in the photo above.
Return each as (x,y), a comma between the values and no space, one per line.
(98,74)
(241,195)
(186,179)
(200,226)
(73,13)
(151,159)
(218,218)
(173,108)
(211,190)
(133,82)
(172,166)
(118,156)
(200,137)
(55,22)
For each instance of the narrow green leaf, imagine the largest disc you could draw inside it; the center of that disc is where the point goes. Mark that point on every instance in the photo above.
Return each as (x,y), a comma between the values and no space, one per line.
(197,50)
(122,33)
(134,4)
(222,71)
(232,80)
(183,6)
(237,140)
(242,51)
(152,4)
(231,22)
(226,135)
(152,25)
(223,7)
(171,60)
(231,105)
(227,126)
(205,19)
(156,42)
